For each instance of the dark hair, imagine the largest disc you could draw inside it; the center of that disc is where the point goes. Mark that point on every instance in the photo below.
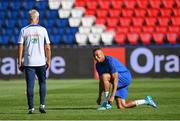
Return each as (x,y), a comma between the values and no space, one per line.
(94,50)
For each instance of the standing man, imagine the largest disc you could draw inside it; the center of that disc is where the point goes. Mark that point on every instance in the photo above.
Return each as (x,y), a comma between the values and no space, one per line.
(34,57)
(111,71)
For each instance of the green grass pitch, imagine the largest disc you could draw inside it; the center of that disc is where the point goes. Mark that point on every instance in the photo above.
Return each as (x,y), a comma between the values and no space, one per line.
(76,100)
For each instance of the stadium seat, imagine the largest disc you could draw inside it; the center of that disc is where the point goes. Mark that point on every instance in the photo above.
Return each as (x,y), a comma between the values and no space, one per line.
(90,12)
(15,6)
(4,5)
(101,20)
(81,38)
(55,39)
(143,3)
(117,4)
(101,12)
(80,3)
(138,21)
(61,23)
(107,38)
(58,31)
(71,30)
(130,3)
(135,29)
(64,13)
(114,12)
(77,12)
(48,23)
(120,38)
(148,29)
(5,40)
(104,4)
(94,38)
(54,4)
(163,21)
(112,22)
(122,29)
(168,3)
(166,12)
(158,38)
(2,15)
(125,21)
(177,3)
(150,21)
(41,5)
(67,4)
(69,39)
(153,12)
(172,37)
(88,21)
(175,29)
(84,30)
(98,29)
(52,14)
(133,38)
(111,28)
(91,4)
(127,12)
(74,22)
(145,38)
(155,3)
(176,11)
(175,21)
(161,29)
(140,12)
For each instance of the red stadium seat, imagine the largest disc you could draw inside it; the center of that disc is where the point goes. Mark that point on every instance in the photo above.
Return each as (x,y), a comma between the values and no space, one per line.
(80,3)
(166,12)
(149,29)
(158,38)
(127,12)
(122,29)
(172,37)
(176,11)
(120,38)
(168,3)
(150,21)
(175,29)
(125,21)
(91,4)
(161,29)
(138,21)
(90,12)
(102,12)
(143,3)
(135,29)
(133,38)
(178,3)
(111,28)
(176,21)
(146,38)
(112,22)
(114,12)
(117,4)
(153,12)
(140,12)
(100,20)
(163,21)
(155,3)
(104,4)
(130,3)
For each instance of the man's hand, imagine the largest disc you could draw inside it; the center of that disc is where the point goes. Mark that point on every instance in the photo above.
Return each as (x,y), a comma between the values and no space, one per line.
(48,64)
(111,100)
(21,67)
(99,101)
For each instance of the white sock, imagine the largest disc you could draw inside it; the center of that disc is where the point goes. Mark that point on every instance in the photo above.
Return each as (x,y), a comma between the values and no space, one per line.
(140,102)
(106,96)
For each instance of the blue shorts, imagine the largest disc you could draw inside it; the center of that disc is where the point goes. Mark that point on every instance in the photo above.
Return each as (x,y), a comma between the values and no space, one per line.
(124,80)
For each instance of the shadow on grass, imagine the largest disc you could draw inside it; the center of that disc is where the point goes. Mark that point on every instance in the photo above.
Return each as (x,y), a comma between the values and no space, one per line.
(74,108)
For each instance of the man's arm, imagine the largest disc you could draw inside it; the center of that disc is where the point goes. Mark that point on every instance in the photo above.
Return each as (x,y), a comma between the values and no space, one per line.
(114,87)
(48,54)
(20,55)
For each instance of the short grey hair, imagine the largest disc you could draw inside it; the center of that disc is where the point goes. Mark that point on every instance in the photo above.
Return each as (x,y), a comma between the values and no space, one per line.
(33,14)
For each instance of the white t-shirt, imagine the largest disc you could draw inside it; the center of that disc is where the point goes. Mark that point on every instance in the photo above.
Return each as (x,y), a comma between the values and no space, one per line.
(34,37)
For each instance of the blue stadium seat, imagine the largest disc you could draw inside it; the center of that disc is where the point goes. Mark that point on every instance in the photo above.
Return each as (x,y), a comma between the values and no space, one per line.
(15,6)
(48,23)
(8,31)
(9,23)
(62,22)
(5,40)
(52,14)
(23,14)
(2,15)
(72,30)
(4,5)
(41,5)
(56,39)
(68,39)
(58,31)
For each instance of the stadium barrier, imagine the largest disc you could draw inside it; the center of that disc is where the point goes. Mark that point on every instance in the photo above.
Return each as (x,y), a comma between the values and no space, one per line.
(77,63)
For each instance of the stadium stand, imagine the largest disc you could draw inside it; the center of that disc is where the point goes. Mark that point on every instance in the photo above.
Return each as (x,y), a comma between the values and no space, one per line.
(95,22)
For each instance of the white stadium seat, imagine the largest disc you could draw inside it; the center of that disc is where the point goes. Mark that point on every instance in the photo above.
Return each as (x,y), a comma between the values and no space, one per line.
(107,38)
(77,12)
(88,21)
(74,22)
(94,39)
(98,29)
(54,4)
(81,38)
(85,30)
(67,4)
(64,13)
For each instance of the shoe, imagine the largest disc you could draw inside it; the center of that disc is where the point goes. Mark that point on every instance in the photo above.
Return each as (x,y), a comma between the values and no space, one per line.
(42,109)
(150,101)
(30,111)
(105,106)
